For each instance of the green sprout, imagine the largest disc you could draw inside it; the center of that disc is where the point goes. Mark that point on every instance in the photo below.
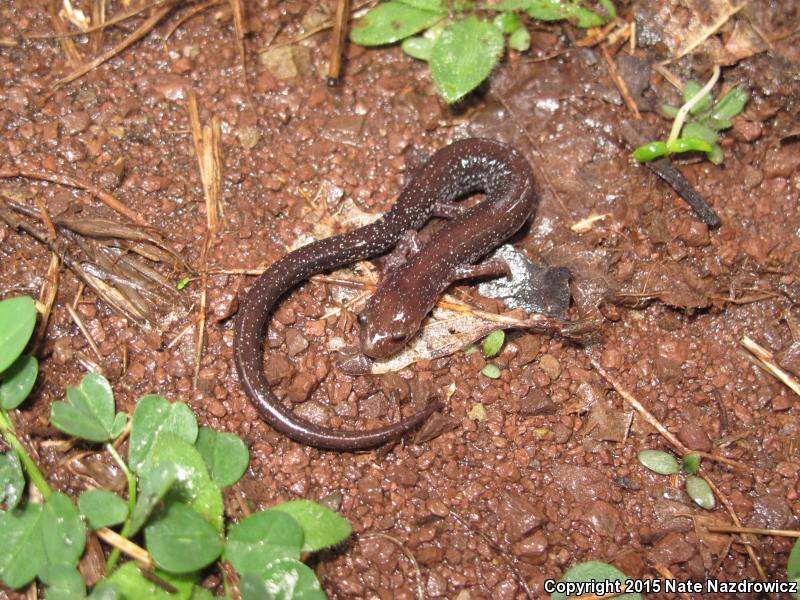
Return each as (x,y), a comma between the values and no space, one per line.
(697,124)
(459,45)
(665,463)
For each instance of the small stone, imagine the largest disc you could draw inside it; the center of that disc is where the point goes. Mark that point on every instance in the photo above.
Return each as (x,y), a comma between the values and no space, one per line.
(301,387)
(75,122)
(287,62)
(611,358)
(671,550)
(295,342)
(550,365)
(694,436)
(248,137)
(532,549)
(277,369)
(536,402)
(477,412)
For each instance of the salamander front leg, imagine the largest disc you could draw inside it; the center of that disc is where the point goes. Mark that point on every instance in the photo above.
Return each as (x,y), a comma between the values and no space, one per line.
(494,267)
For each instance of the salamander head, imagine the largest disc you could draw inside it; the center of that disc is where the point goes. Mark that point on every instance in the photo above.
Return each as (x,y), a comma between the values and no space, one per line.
(385,328)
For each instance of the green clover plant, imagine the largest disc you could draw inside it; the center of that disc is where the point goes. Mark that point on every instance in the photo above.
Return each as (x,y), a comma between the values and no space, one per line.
(175,472)
(462,49)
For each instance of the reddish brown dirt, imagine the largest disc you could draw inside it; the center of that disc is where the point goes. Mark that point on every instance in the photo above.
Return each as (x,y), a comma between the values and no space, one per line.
(544,481)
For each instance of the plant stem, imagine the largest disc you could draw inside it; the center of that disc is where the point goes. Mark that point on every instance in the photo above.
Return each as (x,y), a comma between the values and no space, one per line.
(115,553)
(34,474)
(677,124)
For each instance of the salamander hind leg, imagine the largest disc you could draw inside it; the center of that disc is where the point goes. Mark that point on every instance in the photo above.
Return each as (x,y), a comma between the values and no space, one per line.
(407,247)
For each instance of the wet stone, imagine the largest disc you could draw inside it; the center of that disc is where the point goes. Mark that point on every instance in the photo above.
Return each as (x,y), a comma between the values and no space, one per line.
(76,122)
(671,549)
(295,342)
(536,402)
(313,412)
(603,518)
(519,515)
(532,549)
(301,387)
(771,512)
(551,366)
(694,436)
(374,406)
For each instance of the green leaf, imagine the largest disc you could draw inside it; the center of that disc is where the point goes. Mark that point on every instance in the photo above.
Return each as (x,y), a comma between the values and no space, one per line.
(659,462)
(102,508)
(554,10)
(262,538)
(650,151)
(180,540)
(64,582)
(18,381)
(225,455)
(89,411)
(520,40)
(695,130)
(432,5)
(105,591)
(583,17)
(132,585)
(321,526)
(12,481)
(507,22)
(597,571)
(716,156)
(493,342)
(545,10)
(730,105)
(690,90)
(154,483)
(669,111)
(201,593)
(700,492)
(64,534)
(691,463)
(491,371)
(793,567)
(286,579)
(390,22)
(193,485)
(418,47)
(471,349)
(464,56)
(153,416)
(17,320)
(687,144)
(23,552)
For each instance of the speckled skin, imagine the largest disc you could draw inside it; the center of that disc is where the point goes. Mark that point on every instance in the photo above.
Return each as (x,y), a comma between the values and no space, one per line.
(408,294)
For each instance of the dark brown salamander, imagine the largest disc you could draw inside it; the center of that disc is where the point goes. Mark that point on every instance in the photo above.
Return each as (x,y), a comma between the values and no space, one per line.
(395,312)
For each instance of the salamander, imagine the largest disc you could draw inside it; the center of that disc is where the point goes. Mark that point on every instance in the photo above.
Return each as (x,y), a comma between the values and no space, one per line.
(406,295)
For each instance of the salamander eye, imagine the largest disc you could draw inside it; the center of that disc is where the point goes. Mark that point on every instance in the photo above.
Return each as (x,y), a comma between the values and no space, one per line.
(399,337)
(362,319)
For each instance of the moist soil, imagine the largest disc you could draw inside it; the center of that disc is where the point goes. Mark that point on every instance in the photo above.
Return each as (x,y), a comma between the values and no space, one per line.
(487,503)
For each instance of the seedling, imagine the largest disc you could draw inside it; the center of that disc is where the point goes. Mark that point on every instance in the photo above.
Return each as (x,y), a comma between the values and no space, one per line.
(462,50)
(664,463)
(697,124)
(175,473)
